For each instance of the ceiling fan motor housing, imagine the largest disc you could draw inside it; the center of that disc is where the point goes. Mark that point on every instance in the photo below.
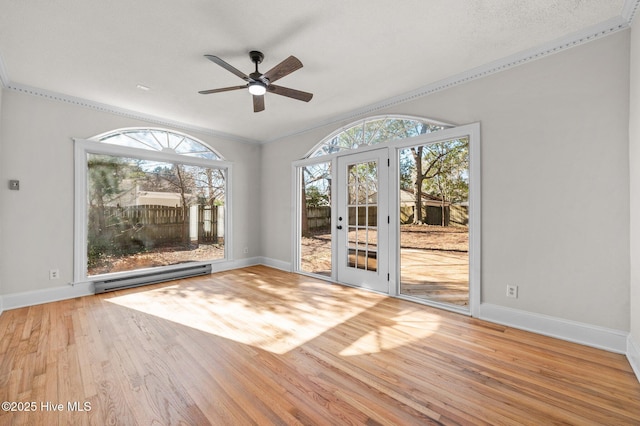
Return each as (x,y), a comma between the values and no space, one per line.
(256,57)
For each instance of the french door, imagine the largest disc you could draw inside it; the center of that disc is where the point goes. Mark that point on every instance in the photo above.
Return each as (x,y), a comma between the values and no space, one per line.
(402,220)
(362,220)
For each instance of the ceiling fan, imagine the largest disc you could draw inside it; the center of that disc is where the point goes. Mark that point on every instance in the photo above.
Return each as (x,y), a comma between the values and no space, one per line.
(258,83)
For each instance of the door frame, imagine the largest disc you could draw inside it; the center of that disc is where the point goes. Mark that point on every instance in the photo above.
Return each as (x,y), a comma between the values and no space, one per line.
(472,131)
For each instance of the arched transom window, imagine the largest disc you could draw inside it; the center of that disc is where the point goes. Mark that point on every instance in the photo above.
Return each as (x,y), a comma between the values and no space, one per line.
(159,140)
(372,131)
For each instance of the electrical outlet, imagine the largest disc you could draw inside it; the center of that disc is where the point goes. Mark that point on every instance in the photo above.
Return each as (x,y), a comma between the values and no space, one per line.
(54,274)
(246,250)
(512,291)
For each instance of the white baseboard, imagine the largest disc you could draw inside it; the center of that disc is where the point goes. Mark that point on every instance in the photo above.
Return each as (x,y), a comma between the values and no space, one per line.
(37,297)
(234,264)
(572,331)
(274,263)
(633,355)
(252,261)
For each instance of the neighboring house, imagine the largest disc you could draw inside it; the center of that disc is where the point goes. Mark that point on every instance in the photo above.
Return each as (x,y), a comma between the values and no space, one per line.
(136,195)
(155,198)
(433,207)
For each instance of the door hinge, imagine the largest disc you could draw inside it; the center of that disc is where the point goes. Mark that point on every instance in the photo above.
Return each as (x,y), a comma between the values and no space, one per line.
(388,219)
(388,162)
(388,277)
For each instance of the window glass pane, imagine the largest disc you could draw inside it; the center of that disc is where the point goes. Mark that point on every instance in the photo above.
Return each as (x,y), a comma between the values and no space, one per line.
(434,222)
(145,214)
(161,138)
(352,216)
(315,244)
(189,146)
(372,216)
(175,140)
(373,134)
(353,137)
(362,215)
(145,138)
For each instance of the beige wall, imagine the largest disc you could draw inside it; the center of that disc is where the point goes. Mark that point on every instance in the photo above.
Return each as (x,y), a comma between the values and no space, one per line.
(554,146)
(37,221)
(555,137)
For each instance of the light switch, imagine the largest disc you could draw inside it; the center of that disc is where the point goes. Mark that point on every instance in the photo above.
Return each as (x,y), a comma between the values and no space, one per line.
(14,185)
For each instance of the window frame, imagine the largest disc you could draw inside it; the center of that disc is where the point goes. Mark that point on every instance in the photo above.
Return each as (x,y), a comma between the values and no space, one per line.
(83,147)
(452,131)
(472,131)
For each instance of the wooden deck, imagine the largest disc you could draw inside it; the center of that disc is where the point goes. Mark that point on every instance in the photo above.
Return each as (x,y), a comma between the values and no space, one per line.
(262,346)
(441,276)
(439,273)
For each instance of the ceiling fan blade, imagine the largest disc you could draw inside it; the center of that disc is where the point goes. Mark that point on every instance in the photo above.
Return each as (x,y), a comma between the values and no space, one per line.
(284,68)
(228,67)
(258,103)
(290,93)
(224,89)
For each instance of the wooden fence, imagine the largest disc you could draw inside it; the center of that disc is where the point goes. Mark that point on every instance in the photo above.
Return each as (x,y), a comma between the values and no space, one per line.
(159,225)
(319,218)
(208,226)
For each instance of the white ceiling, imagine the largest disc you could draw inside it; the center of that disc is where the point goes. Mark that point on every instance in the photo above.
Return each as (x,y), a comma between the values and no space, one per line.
(356,53)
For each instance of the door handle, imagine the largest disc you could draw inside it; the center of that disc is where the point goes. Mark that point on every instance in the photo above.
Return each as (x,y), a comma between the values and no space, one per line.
(339,226)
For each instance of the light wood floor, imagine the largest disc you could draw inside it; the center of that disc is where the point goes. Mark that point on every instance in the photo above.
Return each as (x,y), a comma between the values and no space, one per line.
(261,346)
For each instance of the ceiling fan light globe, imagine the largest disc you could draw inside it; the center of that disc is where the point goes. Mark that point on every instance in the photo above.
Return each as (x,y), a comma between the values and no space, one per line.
(257,89)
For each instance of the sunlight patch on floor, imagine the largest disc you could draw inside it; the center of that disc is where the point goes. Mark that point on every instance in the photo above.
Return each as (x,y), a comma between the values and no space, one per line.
(278,328)
(402,329)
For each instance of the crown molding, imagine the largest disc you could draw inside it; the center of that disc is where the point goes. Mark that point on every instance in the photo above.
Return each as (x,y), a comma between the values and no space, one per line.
(629,9)
(598,31)
(121,111)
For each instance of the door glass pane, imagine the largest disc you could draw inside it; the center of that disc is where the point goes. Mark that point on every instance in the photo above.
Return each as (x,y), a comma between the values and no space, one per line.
(362,216)
(434,222)
(145,214)
(315,244)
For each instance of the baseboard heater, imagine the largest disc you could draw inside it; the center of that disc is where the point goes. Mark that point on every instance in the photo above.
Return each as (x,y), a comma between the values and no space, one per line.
(113,284)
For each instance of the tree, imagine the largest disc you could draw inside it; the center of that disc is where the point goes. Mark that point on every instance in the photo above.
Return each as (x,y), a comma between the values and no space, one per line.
(105,174)
(108,179)
(210,190)
(315,198)
(440,169)
(315,188)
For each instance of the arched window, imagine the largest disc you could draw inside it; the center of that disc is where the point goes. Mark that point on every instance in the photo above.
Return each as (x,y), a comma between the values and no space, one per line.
(374,130)
(159,140)
(148,198)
